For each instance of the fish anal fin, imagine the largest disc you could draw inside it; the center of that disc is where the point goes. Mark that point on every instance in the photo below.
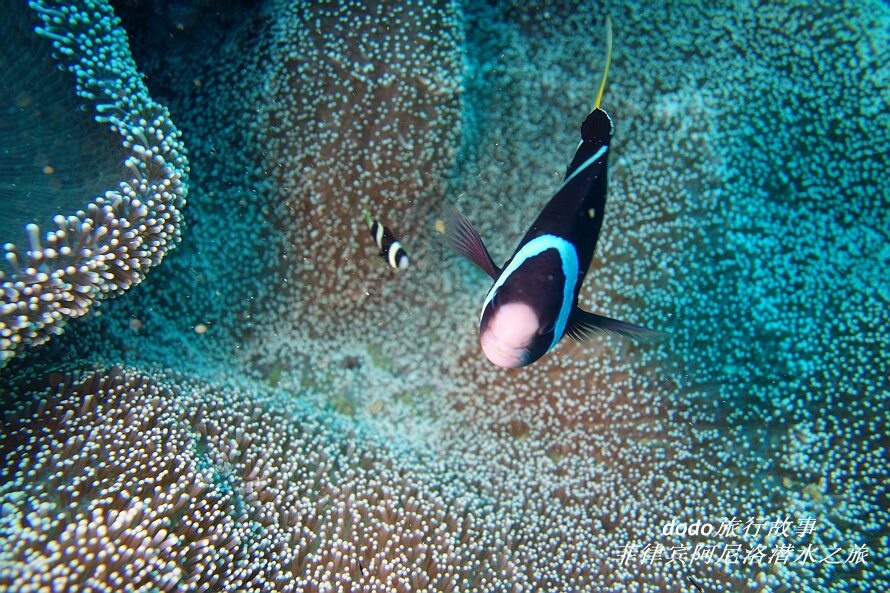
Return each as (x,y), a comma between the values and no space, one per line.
(465,240)
(583,324)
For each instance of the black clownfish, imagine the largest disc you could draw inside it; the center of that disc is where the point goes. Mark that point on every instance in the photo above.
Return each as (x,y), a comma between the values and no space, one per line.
(390,248)
(533,302)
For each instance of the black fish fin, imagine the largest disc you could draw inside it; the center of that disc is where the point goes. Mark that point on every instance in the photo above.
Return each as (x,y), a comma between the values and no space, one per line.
(465,240)
(583,324)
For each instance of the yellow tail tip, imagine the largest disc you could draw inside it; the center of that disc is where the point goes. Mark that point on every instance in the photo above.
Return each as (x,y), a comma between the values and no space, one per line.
(599,95)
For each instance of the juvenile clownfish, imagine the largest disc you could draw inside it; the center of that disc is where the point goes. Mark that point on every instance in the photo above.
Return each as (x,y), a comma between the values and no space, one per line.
(390,248)
(534,300)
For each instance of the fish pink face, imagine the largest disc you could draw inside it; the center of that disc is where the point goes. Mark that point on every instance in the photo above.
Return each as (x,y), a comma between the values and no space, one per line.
(509,334)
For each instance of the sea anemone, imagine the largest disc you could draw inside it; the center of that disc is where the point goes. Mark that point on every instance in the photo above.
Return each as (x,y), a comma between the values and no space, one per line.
(109,244)
(345,429)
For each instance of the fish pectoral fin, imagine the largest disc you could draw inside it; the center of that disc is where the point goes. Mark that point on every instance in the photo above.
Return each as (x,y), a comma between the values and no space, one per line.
(465,240)
(583,324)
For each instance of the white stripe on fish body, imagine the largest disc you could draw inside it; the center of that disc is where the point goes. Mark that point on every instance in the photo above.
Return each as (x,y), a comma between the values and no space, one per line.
(599,153)
(568,255)
(378,233)
(397,257)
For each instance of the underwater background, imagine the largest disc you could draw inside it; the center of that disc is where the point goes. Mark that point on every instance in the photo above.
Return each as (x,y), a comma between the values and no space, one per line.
(265,405)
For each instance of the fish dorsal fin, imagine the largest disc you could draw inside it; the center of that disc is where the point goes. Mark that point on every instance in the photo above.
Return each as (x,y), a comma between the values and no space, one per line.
(599,95)
(583,324)
(465,240)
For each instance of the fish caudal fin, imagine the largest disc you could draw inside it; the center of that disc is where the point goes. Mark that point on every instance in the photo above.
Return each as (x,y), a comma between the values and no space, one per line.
(599,95)
(583,324)
(465,240)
